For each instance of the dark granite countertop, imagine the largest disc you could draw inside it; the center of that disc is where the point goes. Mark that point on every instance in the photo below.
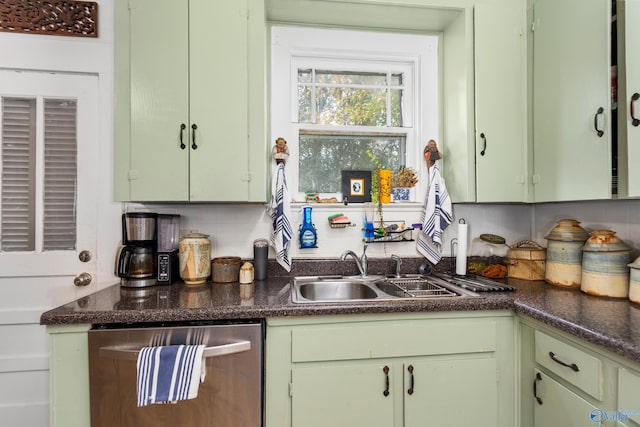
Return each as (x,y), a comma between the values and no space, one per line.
(611,323)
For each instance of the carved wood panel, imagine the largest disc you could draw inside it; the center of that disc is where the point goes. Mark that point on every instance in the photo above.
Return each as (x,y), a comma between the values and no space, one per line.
(53,17)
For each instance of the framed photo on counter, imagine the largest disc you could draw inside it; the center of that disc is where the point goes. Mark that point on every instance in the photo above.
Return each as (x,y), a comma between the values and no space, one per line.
(356,186)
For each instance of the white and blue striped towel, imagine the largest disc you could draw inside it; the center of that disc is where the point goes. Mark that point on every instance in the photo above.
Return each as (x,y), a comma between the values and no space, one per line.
(437,216)
(170,373)
(280,211)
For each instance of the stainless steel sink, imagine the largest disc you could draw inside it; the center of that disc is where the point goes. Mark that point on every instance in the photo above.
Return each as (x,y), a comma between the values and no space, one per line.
(332,289)
(345,289)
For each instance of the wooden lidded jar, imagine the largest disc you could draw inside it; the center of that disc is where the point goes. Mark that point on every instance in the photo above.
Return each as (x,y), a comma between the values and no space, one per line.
(564,253)
(604,265)
(195,258)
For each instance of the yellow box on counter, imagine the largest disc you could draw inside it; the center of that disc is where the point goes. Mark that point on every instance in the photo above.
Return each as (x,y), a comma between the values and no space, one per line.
(526,260)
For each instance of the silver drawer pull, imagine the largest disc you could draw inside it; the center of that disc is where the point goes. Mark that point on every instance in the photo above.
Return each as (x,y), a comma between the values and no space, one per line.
(218,350)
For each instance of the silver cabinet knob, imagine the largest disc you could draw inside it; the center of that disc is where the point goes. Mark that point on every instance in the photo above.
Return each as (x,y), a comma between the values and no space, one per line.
(83,279)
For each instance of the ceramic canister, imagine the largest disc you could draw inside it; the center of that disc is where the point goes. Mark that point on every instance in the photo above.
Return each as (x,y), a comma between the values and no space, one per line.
(604,265)
(634,281)
(195,258)
(564,253)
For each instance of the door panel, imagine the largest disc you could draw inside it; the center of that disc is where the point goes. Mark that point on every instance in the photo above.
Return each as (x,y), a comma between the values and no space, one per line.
(452,392)
(159,43)
(570,83)
(341,396)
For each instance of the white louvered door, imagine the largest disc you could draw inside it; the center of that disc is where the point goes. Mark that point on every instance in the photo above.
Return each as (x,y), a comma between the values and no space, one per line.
(48,206)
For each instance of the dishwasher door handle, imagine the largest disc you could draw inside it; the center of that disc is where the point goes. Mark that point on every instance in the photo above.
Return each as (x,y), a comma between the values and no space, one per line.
(121,353)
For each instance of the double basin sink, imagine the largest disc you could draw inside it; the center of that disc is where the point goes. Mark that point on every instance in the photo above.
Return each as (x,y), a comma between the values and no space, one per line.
(332,289)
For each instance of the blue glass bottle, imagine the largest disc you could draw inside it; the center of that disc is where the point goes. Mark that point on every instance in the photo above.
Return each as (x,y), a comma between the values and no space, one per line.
(308,235)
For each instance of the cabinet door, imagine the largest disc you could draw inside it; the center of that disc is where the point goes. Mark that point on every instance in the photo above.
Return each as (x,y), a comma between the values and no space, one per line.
(342,395)
(628,97)
(219,100)
(571,84)
(159,67)
(560,406)
(500,101)
(452,392)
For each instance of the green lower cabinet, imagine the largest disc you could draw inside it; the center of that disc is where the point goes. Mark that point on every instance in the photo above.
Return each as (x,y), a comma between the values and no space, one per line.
(559,406)
(390,370)
(452,392)
(342,395)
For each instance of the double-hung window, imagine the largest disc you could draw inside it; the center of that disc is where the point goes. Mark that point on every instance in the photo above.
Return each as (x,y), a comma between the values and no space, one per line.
(340,97)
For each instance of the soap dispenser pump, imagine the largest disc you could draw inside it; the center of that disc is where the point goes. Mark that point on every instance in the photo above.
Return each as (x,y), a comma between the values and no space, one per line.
(308,235)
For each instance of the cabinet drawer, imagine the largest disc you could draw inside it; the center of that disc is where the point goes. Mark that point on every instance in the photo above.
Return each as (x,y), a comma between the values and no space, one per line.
(628,391)
(571,363)
(370,340)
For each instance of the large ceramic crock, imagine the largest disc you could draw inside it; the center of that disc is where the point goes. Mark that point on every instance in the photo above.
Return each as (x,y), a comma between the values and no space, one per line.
(604,265)
(195,258)
(564,253)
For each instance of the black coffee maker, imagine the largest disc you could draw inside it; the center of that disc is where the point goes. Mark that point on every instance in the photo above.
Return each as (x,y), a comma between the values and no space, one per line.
(136,260)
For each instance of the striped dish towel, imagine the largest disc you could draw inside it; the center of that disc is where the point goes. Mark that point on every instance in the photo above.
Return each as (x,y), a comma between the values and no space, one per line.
(170,373)
(436,216)
(280,211)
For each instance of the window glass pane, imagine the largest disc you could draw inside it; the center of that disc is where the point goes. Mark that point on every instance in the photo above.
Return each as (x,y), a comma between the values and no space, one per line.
(60,171)
(18,174)
(304,104)
(396,107)
(351,78)
(324,157)
(396,80)
(304,76)
(351,107)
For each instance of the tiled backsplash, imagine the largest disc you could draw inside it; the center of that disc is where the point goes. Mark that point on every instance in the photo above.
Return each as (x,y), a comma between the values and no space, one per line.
(234,227)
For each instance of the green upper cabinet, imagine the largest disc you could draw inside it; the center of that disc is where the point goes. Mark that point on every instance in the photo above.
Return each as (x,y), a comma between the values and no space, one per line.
(500,100)
(628,14)
(190,101)
(572,117)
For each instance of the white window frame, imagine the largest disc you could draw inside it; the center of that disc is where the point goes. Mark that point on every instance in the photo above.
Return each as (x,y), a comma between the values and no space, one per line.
(304,47)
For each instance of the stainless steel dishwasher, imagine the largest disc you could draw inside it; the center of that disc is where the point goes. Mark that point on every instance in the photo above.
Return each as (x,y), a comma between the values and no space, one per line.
(230,396)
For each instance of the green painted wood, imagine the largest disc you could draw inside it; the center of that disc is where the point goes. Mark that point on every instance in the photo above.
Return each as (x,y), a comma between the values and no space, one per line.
(589,376)
(191,62)
(560,407)
(122,103)
(628,83)
(69,376)
(628,391)
(500,89)
(393,339)
(452,392)
(571,44)
(336,360)
(218,92)
(159,49)
(344,395)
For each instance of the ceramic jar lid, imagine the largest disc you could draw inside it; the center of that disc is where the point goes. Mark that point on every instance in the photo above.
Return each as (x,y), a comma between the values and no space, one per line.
(605,241)
(568,230)
(635,264)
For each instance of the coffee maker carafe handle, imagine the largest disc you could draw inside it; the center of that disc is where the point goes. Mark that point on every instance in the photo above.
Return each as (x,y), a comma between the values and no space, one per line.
(122,268)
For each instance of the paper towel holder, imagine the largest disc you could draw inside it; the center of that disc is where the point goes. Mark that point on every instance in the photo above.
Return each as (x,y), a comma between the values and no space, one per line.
(454,245)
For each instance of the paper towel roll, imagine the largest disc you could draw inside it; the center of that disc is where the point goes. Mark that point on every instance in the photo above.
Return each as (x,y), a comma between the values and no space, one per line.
(463,244)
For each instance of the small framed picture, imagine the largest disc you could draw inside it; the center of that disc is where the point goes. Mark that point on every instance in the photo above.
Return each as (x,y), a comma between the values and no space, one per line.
(356,186)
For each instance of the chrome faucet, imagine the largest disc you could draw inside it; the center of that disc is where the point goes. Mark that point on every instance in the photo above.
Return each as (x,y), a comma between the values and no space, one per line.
(361,262)
(398,261)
